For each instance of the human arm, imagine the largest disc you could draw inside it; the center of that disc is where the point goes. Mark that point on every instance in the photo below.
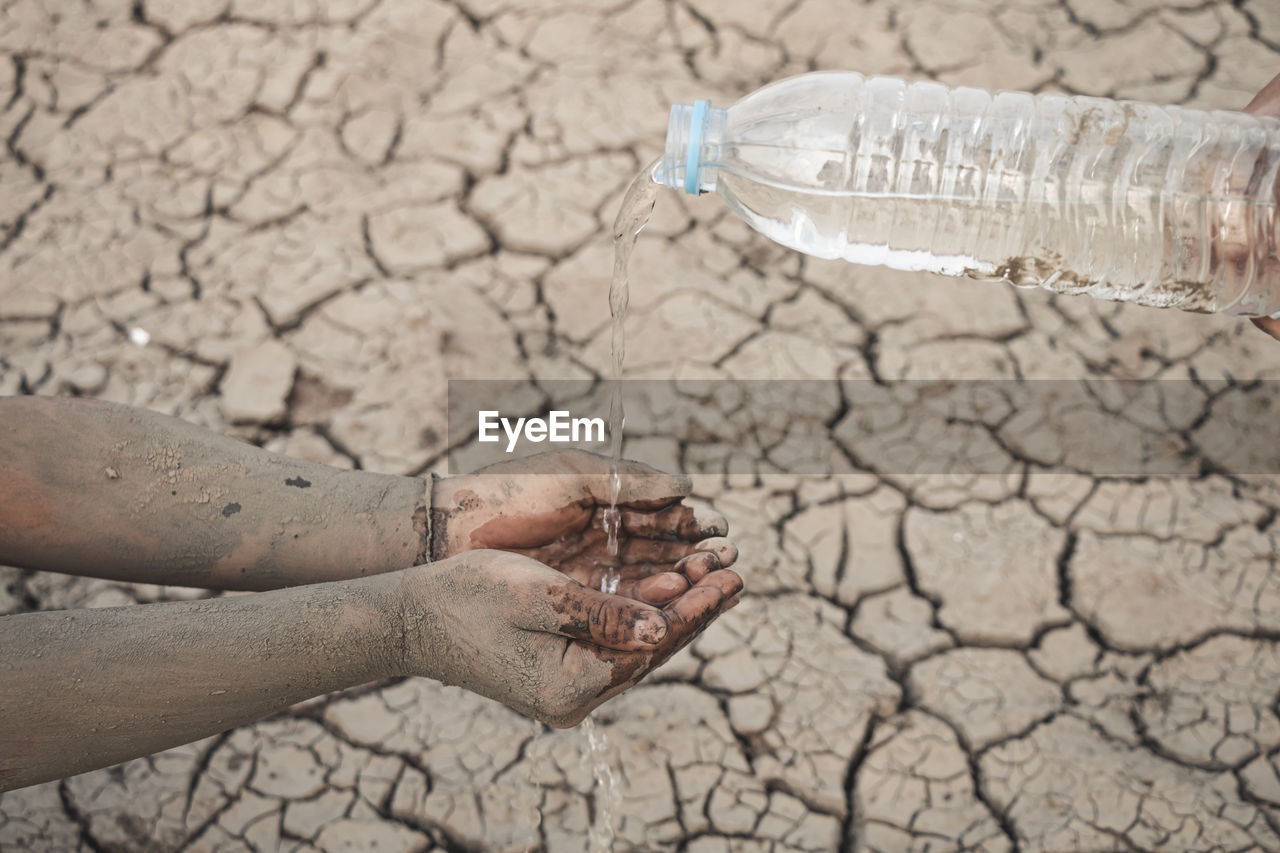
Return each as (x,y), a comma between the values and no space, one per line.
(94,488)
(90,688)
(86,689)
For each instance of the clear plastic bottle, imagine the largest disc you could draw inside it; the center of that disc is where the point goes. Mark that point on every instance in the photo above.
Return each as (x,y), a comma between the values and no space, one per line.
(1161,206)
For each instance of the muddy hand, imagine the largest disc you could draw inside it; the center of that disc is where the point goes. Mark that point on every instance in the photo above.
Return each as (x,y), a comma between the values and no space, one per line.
(551,507)
(507,627)
(1267,103)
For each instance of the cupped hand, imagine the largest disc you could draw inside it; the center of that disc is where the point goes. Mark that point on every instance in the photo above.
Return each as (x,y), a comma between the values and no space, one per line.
(1267,103)
(510,628)
(552,507)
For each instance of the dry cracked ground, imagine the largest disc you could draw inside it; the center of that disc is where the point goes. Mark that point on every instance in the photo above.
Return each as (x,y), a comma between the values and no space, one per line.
(294,221)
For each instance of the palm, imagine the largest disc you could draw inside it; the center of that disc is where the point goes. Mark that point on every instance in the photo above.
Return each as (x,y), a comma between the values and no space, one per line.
(659,552)
(552,508)
(581,551)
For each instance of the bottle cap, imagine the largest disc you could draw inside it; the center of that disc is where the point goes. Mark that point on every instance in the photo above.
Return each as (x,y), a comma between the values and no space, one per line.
(693,141)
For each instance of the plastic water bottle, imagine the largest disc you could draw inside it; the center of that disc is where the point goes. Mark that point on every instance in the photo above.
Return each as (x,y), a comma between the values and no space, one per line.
(1161,206)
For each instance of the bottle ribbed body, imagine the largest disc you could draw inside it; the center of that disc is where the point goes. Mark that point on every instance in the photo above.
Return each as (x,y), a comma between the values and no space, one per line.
(1156,205)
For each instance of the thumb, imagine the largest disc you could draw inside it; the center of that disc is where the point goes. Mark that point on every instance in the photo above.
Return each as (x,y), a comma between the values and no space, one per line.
(641,486)
(645,487)
(1268,325)
(580,613)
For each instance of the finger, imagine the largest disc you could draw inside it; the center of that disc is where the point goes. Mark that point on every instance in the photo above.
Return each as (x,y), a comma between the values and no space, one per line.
(644,487)
(641,486)
(680,522)
(694,605)
(1266,102)
(726,552)
(611,621)
(689,614)
(657,551)
(634,551)
(656,589)
(1268,325)
(697,566)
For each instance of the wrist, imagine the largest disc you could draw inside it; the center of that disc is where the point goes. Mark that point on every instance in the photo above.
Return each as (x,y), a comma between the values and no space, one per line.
(382,604)
(412,607)
(433,546)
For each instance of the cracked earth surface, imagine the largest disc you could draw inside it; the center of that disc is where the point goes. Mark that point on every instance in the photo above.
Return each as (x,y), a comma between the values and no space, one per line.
(294,220)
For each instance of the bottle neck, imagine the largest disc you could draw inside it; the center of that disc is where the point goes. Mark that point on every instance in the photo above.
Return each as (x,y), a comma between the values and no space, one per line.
(692,155)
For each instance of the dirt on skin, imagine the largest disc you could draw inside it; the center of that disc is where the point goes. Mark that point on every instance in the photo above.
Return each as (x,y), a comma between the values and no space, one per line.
(495,623)
(481,626)
(506,627)
(91,688)
(210,510)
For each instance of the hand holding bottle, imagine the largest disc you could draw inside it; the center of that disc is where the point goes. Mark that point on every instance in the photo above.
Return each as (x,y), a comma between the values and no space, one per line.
(1267,103)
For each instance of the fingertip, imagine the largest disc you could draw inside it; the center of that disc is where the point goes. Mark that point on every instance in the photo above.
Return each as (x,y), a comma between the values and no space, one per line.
(651,627)
(712,524)
(695,605)
(725,582)
(646,487)
(724,549)
(698,565)
(681,484)
(1269,325)
(731,582)
(1267,101)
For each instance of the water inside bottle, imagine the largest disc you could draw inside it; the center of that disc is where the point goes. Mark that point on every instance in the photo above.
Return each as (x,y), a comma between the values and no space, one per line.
(633,215)
(1118,205)
(1127,252)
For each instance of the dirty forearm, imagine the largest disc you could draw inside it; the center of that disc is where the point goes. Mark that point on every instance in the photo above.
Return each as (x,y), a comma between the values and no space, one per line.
(91,688)
(98,489)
